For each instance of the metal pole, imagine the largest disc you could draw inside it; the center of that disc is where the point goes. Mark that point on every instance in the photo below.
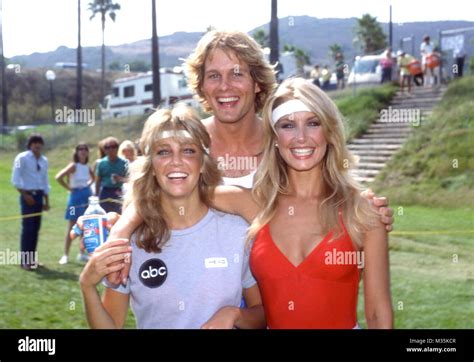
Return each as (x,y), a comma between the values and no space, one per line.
(51,92)
(52,112)
(2,71)
(440,34)
(155,59)
(390,29)
(79,59)
(274,36)
(355,77)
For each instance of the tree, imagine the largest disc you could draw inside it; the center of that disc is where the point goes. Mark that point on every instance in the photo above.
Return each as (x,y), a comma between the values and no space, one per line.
(261,38)
(139,66)
(369,34)
(274,41)
(302,57)
(103,7)
(79,59)
(115,65)
(334,49)
(155,55)
(4,81)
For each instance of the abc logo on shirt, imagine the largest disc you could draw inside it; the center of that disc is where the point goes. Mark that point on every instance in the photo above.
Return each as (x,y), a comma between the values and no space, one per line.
(153,273)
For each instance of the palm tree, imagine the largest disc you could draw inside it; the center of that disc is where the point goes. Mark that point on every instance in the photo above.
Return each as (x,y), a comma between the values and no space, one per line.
(79,59)
(334,49)
(103,7)
(274,46)
(302,57)
(155,55)
(370,34)
(261,37)
(2,72)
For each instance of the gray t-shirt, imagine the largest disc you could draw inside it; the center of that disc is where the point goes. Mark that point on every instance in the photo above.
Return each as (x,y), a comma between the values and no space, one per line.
(200,270)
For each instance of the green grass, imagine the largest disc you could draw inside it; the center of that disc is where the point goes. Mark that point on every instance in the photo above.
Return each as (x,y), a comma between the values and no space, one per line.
(432,273)
(436,165)
(50,297)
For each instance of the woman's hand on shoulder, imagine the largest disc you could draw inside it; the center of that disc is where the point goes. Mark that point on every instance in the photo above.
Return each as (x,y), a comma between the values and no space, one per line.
(381,203)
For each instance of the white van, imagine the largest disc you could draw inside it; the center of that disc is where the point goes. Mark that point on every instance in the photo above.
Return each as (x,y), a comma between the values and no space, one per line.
(366,70)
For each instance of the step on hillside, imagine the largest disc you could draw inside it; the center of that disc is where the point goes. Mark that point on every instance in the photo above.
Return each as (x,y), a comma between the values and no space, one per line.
(373,149)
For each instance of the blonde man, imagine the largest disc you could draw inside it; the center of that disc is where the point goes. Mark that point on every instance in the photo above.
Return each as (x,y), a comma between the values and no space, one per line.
(232,79)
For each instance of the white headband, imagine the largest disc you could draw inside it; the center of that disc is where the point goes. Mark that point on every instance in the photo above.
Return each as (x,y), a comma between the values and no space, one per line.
(175,134)
(289,107)
(182,133)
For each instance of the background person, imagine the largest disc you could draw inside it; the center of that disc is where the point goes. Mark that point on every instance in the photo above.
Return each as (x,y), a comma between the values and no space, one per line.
(315,75)
(326,74)
(111,173)
(459,55)
(30,177)
(427,49)
(387,63)
(79,179)
(128,151)
(340,71)
(404,61)
(100,156)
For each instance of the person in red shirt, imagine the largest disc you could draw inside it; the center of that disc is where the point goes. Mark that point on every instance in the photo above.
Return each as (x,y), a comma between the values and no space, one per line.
(386,63)
(314,235)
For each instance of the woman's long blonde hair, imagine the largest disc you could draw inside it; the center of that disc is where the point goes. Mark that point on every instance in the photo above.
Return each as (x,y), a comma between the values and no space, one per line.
(341,193)
(145,193)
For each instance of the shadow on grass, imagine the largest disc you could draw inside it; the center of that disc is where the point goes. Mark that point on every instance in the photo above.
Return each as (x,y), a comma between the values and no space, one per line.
(49,274)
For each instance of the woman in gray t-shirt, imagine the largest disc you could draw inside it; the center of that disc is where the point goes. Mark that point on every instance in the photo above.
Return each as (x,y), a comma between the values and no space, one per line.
(189,262)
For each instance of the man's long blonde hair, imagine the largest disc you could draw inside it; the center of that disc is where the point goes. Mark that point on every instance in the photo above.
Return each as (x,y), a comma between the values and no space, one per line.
(340,191)
(145,193)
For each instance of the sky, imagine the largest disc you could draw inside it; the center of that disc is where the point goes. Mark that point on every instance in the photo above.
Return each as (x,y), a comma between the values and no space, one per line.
(43,25)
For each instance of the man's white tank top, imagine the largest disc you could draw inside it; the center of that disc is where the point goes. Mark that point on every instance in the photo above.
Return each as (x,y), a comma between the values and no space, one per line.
(243,181)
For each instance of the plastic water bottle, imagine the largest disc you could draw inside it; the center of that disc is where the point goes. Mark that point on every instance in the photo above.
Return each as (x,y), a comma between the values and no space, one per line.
(94,221)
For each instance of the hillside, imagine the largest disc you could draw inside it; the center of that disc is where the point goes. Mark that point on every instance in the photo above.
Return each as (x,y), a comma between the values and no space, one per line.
(436,165)
(309,33)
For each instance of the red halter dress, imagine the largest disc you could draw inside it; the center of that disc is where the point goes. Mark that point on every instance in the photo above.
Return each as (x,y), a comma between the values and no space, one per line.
(321,292)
